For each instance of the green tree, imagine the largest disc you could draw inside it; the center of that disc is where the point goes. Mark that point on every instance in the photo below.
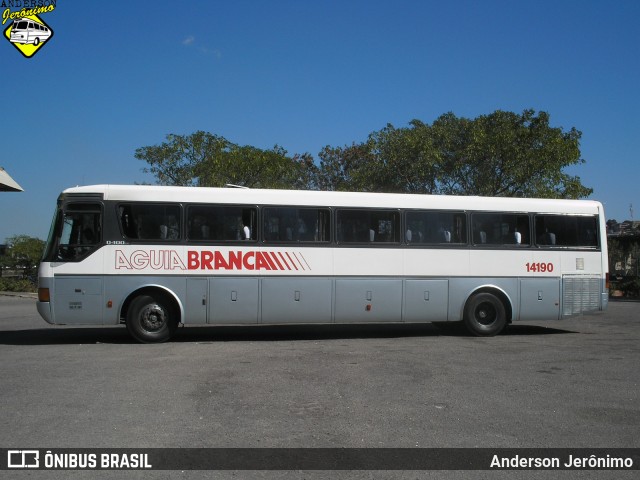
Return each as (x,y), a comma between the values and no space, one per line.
(508,154)
(207,160)
(346,168)
(23,253)
(501,154)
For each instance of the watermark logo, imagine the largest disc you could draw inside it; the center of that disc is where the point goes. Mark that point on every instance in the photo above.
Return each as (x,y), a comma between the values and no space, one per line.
(26,30)
(23,459)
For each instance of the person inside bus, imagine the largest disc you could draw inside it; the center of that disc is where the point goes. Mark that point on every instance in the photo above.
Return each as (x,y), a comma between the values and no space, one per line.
(129,228)
(88,237)
(199,228)
(302,230)
(169,230)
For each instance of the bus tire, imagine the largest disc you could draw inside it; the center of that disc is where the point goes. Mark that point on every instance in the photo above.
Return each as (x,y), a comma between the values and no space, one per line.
(151,319)
(36,42)
(485,315)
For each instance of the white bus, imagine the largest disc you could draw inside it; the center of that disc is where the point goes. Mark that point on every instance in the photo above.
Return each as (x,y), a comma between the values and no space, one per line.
(152,257)
(25,30)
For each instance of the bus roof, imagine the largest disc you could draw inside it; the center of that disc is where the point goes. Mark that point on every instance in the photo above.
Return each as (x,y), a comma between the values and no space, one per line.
(16,20)
(154,193)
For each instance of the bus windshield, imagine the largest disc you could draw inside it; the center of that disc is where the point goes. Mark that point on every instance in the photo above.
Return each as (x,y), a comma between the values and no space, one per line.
(20,25)
(75,233)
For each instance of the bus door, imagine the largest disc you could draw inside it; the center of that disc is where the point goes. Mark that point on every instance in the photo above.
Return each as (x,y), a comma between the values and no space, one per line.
(76,263)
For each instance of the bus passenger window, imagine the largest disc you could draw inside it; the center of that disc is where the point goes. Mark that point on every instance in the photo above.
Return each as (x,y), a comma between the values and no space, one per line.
(368,226)
(500,229)
(221,223)
(434,228)
(150,221)
(293,224)
(566,230)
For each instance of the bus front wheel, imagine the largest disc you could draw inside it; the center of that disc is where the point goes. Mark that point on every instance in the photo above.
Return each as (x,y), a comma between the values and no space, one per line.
(485,315)
(151,319)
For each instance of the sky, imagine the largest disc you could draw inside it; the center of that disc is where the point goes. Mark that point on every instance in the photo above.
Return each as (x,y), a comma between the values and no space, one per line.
(120,75)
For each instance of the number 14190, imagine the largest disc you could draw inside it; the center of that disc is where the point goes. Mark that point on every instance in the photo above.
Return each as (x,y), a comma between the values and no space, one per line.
(540,267)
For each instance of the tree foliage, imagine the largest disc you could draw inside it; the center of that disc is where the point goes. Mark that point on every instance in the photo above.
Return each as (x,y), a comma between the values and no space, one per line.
(23,253)
(207,160)
(500,154)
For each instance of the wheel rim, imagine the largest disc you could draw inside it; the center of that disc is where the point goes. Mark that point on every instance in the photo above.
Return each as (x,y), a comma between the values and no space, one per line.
(153,317)
(485,314)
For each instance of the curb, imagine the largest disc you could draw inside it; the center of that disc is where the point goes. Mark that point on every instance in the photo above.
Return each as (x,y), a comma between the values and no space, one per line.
(19,294)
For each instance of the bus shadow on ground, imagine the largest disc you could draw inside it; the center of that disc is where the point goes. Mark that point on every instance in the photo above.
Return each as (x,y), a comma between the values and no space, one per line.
(457,329)
(337,332)
(200,334)
(66,336)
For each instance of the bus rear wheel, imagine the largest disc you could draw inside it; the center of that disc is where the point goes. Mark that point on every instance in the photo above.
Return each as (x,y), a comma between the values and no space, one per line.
(485,315)
(151,319)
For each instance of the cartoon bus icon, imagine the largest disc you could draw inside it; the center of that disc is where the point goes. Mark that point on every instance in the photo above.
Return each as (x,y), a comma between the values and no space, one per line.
(25,30)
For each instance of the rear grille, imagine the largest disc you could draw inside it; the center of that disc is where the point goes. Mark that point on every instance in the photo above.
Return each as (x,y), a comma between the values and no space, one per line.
(580,294)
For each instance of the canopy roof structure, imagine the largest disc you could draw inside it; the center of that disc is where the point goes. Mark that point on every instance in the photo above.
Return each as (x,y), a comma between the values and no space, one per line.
(8,184)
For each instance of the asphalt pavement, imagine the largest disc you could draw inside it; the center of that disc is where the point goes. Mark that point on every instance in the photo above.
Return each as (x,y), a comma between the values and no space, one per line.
(573,383)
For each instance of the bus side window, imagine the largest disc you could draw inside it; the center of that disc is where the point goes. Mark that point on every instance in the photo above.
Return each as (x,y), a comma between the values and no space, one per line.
(368,226)
(150,221)
(566,230)
(500,229)
(435,228)
(293,224)
(221,223)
